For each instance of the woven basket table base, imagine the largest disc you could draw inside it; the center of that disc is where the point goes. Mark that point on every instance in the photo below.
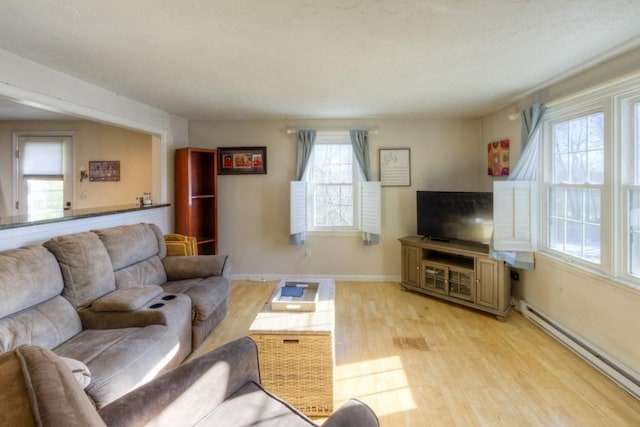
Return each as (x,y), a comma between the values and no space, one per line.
(296,352)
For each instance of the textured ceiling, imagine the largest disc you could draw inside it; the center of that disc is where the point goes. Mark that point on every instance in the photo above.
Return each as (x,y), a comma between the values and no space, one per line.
(320,58)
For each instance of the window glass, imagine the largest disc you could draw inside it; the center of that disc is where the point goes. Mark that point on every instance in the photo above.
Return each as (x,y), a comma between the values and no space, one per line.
(578,147)
(574,222)
(634,233)
(637,143)
(633,203)
(332,179)
(45,196)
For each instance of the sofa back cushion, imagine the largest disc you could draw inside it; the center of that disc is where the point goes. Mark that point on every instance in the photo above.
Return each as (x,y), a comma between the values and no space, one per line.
(85,265)
(136,252)
(28,276)
(48,324)
(36,388)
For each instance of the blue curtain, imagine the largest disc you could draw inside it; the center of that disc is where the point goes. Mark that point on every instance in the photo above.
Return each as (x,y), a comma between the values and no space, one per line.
(525,170)
(360,144)
(527,166)
(305,141)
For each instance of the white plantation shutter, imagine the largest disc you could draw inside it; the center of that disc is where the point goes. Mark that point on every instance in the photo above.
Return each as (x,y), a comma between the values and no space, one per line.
(298,214)
(371,206)
(514,216)
(370,209)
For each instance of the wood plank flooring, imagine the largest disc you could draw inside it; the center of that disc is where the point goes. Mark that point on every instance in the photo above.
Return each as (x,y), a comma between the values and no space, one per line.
(418,361)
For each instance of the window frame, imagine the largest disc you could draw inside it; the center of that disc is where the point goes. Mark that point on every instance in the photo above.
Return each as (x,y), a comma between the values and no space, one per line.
(333,138)
(617,101)
(630,150)
(569,111)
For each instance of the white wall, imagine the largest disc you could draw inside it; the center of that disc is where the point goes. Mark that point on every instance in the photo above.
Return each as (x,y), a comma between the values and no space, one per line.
(600,310)
(254,209)
(29,82)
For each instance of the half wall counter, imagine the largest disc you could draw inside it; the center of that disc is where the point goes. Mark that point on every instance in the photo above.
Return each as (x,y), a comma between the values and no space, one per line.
(16,231)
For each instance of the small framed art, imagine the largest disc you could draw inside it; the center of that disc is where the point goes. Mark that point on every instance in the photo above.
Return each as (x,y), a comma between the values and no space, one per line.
(395,167)
(498,158)
(104,170)
(242,160)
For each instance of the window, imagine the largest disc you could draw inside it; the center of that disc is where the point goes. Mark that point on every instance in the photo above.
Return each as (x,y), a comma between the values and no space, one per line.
(575,198)
(633,195)
(333,179)
(333,196)
(44,169)
(591,185)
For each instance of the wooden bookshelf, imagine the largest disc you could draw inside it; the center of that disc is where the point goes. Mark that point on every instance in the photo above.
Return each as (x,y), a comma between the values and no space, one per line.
(196,194)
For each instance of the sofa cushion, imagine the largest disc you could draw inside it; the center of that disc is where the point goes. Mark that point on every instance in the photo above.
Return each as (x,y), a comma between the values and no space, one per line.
(86,267)
(47,325)
(130,244)
(121,359)
(135,252)
(38,389)
(251,405)
(188,267)
(144,273)
(206,294)
(28,276)
(129,299)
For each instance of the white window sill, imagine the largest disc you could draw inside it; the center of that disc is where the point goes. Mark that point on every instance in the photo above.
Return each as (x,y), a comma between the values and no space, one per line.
(334,233)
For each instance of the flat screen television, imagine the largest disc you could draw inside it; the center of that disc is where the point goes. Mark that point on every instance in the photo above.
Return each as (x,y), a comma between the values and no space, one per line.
(454,215)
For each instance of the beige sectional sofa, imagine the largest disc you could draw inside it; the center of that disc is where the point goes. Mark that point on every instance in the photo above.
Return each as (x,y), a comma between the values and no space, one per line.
(112,300)
(221,388)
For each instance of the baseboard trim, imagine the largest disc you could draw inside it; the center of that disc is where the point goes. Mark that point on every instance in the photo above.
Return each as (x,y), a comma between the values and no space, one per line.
(615,370)
(342,278)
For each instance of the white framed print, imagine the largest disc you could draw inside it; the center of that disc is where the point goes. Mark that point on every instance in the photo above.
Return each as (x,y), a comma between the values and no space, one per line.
(395,167)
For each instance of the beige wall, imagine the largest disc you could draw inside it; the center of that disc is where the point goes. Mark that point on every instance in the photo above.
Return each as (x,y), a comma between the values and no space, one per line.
(600,310)
(254,209)
(94,141)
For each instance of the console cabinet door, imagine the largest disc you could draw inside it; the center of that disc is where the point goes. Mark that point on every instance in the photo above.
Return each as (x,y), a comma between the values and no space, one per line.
(462,283)
(487,283)
(435,277)
(411,265)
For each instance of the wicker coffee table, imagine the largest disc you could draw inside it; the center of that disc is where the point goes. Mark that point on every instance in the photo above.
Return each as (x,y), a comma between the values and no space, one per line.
(296,351)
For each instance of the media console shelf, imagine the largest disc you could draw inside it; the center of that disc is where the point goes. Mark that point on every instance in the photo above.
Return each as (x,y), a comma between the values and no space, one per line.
(457,272)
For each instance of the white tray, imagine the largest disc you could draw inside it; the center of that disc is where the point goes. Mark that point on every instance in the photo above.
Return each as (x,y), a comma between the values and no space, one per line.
(306,302)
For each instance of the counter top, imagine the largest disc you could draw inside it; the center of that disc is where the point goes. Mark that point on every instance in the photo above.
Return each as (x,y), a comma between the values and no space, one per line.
(71,214)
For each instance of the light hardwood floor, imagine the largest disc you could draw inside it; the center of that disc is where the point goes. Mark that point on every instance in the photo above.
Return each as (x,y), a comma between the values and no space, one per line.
(418,361)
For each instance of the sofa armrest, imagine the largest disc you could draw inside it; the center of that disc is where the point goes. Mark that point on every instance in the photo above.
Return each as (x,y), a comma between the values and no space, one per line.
(353,413)
(162,310)
(188,393)
(191,267)
(129,299)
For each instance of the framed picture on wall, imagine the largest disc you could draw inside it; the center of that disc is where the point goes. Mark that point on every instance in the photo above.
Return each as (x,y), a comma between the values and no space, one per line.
(395,167)
(498,158)
(104,170)
(242,160)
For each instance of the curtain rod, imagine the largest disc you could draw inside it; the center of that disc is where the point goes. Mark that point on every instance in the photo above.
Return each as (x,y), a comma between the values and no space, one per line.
(371,132)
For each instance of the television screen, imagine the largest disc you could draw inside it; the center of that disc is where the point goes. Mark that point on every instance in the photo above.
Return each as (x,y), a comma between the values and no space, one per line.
(451,215)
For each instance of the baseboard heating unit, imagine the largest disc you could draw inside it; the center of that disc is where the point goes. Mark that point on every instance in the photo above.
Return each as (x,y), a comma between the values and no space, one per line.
(622,375)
